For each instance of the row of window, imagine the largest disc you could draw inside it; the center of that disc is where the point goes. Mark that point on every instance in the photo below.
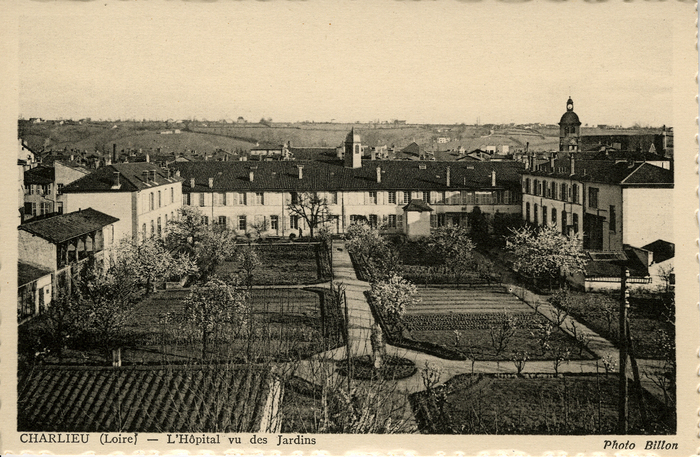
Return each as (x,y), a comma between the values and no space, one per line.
(34,209)
(157,228)
(562,191)
(223,199)
(386,222)
(40,189)
(464,197)
(157,199)
(502,197)
(563,221)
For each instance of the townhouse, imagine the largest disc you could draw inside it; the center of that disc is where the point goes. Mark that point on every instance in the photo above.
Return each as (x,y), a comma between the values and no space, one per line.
(143,196)
(607,204)
(43,188)
(50,249)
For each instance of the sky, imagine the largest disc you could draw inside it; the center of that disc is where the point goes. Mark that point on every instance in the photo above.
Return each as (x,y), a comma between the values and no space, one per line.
(424,62)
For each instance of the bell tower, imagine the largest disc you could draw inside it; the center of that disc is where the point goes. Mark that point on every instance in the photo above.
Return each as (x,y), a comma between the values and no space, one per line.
(353,150)
(569,129)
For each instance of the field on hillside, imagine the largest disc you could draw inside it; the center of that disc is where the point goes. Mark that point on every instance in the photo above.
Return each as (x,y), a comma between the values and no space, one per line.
(180,142)
(211,135)
(102,136)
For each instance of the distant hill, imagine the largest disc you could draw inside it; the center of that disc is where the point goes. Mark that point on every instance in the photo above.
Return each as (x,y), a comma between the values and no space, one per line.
(101,136)
(205,137)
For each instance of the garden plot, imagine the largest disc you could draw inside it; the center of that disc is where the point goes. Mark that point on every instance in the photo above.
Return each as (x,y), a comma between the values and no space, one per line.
(488,323)
(481,299)
(287,324)
(584,404)
(285,264)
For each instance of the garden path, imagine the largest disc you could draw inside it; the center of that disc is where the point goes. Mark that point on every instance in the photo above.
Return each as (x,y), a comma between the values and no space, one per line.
(361,321)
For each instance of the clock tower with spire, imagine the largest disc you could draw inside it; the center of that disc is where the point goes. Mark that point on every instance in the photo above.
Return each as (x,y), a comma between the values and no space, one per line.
(569,129)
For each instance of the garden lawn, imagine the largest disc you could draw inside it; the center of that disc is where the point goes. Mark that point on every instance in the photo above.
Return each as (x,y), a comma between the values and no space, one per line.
(468,320)
(285,264)
(651,321)
(570,404)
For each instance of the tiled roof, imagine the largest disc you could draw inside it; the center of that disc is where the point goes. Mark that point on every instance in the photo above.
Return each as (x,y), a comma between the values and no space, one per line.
(412,148)
(663,250)
(62,228)
(333,176)
(636,268)
(40,175)
(607,172)
(130,178)
(417,205)
(26,273)
(142,399)
(649,174)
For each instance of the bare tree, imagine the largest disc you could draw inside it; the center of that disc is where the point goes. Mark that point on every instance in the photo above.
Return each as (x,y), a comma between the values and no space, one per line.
(312,208)
(260,227)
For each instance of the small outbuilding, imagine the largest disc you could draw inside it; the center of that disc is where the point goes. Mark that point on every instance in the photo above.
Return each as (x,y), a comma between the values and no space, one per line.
(417,217)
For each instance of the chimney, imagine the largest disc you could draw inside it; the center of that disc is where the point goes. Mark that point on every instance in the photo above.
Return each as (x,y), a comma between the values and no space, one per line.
(301,171)
(373,154)
(211,182)
(251,175)
(192,182)
(493,178)
(177,173)
(572,163)
(72,157)
(116,184)
(114,152)
(379,174)
(551,162)
(153,175)
(145,176)
(148,158)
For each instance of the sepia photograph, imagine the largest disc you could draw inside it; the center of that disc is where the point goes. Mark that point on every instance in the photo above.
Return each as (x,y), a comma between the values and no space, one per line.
(275,226)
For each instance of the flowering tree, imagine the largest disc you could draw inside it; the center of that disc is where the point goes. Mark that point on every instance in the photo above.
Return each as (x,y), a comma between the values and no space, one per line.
(369,246)
(363,240)
(545,252)
(186,229)
(212,248)
(249,261)
(106,300)
(149,262)
(454,245)
(212,306)
(393,295)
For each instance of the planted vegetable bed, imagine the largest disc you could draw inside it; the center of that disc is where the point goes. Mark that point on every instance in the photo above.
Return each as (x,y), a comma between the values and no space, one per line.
(286,263)
(287,324)
(652,321)
(487,323)
(569,404)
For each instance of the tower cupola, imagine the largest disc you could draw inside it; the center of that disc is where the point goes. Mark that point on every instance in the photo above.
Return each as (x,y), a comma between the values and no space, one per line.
(569,129)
